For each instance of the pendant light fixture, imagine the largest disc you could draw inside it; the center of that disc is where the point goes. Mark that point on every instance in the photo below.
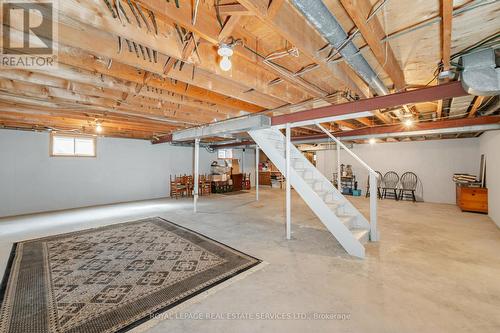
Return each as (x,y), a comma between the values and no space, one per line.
(225,51)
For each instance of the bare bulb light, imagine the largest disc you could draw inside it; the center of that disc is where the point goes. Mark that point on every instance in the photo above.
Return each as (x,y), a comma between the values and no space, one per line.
(372,141)
(225,64)
(408,122)
(98,128)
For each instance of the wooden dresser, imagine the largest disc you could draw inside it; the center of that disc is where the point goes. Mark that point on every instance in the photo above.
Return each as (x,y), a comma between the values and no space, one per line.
(472,199)
(237,179)
(265,178)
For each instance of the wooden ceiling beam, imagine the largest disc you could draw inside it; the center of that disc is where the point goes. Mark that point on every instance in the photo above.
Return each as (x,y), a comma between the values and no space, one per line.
(446,30)
(104,45)
(37,92)
(294,28)
(57,104)
(475,106)
(96,15)
(439,108)
(227,29)
(273,8)
(25,115)
(92,114)
(25,112)
(365,121)
(373,32)
(208,28)
(346,124)
(95,69)
(233,9)
(82,127)
(98,87)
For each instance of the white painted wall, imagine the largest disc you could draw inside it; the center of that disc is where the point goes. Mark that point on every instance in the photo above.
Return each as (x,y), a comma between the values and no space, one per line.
(124,170)
(434,162)
(490,146)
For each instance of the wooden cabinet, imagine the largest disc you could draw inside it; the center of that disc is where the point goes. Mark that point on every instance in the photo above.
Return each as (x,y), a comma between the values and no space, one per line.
(472,199)
(265,178)
(237,179)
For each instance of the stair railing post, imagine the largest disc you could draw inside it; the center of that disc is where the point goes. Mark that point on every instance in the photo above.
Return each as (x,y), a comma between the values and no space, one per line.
(257,156)
(374,236)
(288,184)
(339,176)
(196,172)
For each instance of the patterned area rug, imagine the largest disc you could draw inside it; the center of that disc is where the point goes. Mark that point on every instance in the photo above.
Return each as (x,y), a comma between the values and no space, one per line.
(110,279)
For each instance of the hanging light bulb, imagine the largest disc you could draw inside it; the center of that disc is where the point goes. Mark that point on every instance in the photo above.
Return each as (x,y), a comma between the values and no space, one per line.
(98,128)
(408,122)
(225,64)
(225,51)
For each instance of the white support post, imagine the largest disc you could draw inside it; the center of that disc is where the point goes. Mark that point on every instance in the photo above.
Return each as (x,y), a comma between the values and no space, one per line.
(339,176)
(243,160)
(288,184)
(196,172)
(257,157)
(374,237)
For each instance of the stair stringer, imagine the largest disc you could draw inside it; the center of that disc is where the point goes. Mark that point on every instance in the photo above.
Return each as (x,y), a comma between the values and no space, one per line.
(317,204)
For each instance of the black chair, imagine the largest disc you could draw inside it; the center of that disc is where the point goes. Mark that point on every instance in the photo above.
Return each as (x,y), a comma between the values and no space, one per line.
(379,182)
(390,185)
(408,182)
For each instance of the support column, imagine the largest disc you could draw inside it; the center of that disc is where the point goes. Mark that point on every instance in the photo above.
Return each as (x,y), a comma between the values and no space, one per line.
(243,160)
(374,236)
(339,176)
(257,157)
(288,184)
(196,171)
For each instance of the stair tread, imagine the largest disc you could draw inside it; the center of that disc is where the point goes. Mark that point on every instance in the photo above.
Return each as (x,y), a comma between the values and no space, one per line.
(322,187)
(336,204)
(359,234)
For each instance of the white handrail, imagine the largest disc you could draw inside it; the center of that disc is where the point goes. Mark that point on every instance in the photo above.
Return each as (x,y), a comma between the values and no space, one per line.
(374,236)
(337,141)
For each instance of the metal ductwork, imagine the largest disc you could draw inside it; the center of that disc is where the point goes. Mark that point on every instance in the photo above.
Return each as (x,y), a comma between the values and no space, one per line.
(322,19)
(480,75)
(234,125)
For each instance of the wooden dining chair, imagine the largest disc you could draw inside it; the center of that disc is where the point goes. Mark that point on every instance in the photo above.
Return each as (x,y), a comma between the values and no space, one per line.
(205,185)
(177,188)
(408,183)
(390,185)
(191,185)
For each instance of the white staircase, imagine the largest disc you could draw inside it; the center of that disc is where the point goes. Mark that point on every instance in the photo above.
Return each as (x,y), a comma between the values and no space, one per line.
(340,217)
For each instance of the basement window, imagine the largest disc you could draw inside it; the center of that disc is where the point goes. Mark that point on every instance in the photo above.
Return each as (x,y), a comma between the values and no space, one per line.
(225,154)
(72,146)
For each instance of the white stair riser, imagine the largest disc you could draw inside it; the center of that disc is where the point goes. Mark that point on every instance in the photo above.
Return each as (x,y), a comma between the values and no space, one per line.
(338,215)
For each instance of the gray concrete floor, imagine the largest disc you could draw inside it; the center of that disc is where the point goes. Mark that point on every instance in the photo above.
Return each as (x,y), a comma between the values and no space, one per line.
(435,269)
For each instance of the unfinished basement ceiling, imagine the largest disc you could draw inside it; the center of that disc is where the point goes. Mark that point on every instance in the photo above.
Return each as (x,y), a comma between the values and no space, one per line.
(152,68)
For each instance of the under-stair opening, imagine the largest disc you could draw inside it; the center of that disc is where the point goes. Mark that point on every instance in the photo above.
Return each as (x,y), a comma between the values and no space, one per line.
(340,217)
